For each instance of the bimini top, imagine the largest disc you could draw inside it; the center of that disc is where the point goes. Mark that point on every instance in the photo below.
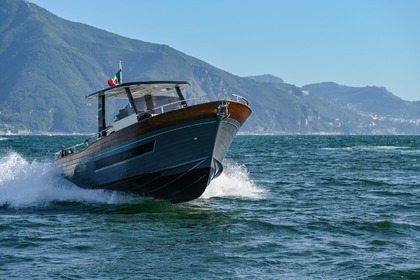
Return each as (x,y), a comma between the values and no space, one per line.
(139,89)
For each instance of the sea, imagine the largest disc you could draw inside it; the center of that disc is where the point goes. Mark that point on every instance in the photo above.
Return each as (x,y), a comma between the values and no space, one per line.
(285,207)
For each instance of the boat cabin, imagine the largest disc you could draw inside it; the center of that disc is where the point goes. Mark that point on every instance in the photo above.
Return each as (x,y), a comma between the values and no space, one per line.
(142,100)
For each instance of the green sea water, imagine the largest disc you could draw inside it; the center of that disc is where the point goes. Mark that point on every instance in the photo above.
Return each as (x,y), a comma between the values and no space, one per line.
(286,207)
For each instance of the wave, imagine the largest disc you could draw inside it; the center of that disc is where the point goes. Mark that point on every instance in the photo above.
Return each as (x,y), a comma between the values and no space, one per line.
(368,148)
(234,182)
(28,184)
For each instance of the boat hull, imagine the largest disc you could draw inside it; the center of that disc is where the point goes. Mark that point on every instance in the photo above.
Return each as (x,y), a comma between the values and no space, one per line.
(172,156)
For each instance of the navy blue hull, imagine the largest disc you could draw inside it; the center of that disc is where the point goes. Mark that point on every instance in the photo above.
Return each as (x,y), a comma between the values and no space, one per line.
(174,163)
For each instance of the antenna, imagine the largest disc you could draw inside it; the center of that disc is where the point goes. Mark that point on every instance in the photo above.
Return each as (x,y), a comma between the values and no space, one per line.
(121,79)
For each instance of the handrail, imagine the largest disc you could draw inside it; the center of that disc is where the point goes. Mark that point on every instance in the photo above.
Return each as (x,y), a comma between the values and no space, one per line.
(185,101)
(73,149)
(168,104)
(68,151)
(241,97)
(98,134)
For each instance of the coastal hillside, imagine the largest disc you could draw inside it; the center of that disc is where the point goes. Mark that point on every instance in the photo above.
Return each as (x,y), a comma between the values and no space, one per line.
(50,64)
(369,99)
(375,102)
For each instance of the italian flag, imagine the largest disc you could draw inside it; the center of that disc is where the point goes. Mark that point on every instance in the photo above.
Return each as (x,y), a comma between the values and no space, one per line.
(116,80)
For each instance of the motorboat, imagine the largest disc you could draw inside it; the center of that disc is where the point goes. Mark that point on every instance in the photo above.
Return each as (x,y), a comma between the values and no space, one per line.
(156,144)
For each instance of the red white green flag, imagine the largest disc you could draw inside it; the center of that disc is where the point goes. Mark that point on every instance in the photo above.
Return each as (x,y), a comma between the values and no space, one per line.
(116,80)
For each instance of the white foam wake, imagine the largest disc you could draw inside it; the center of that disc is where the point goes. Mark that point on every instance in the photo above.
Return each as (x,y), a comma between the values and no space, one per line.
(24,184)
(28,184)
(234,182)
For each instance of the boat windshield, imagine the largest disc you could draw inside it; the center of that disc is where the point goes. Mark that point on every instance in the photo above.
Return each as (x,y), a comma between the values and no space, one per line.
(152,104)
(139,89)
(128,103)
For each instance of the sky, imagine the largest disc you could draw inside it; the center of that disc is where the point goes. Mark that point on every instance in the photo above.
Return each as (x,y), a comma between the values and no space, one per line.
(349,42)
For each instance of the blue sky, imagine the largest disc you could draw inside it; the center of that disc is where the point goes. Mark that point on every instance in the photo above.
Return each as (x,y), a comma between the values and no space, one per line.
(350,42)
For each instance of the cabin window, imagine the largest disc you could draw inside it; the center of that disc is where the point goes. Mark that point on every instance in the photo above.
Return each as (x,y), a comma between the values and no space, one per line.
(117,109)
(150,103)
(140,104)
(166,102)
(169,103)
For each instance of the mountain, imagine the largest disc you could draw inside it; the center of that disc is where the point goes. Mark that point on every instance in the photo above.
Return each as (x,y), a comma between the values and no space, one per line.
(369,99)
(49,65)
(376,102)
(267,78)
